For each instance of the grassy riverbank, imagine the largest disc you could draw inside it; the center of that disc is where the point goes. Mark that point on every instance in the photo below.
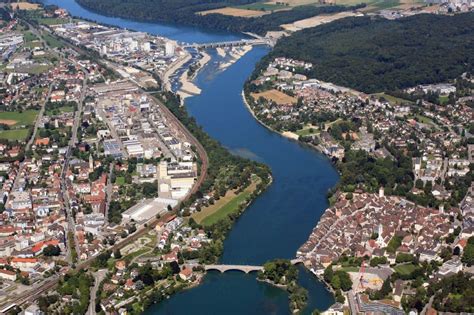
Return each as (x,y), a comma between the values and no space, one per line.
(225,205)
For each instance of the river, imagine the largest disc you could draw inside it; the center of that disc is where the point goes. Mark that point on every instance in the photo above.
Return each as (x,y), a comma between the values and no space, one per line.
(280,220)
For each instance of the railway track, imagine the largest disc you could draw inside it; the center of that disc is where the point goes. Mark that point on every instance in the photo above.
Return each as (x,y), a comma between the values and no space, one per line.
(36,292)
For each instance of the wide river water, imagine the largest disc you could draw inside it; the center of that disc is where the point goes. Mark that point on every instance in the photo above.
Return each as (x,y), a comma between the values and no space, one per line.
(281,219)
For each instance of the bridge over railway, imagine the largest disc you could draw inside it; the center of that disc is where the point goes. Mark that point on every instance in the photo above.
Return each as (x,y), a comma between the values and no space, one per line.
(244,268)
(234,43)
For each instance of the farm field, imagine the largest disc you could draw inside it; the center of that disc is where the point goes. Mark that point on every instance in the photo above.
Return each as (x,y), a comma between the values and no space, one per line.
(16,119)
(276,96)
(235,12)
(264,6)
(316,21)
(25,6)
(15,134)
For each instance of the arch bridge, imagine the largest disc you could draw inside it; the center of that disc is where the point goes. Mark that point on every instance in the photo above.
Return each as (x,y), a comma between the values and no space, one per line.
(244,268)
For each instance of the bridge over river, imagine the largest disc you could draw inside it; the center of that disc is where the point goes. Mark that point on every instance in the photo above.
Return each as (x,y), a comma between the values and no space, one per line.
(234,43)
(243,268)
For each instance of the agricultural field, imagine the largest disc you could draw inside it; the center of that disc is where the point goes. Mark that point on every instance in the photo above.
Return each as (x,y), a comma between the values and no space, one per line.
(15,134)
(265,6)
(17,119)
(316,21)
(25,6)
(235,12)
(275,96)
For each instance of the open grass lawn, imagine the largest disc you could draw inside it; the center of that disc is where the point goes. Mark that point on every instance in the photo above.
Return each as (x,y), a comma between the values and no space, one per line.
(350,269)
(52,21)
(120,181)
(33,44)
(15,119)
(37,69)
(65,109)
(405,269)
(443,99)
(16,134)
(426,120)
(392,99)
(225,210)
(52,41)
(224,206)
(307,131)
(137,253)
(29,36)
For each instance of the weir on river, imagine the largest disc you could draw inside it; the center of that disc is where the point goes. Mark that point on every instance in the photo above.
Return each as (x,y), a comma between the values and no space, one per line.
(278,221)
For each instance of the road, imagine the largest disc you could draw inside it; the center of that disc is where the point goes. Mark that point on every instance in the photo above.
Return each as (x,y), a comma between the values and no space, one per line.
(64,179)
(109,192)
(30,142)
(352,302)
(98,277)
(100,111)
(48,285)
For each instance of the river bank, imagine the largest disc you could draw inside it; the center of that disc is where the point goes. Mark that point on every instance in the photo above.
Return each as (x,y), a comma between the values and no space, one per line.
(178,64)
(277,222)
(188,88)
(287,134)
(294,137)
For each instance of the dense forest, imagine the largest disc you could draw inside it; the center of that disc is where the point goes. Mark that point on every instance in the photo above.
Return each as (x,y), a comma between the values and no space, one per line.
(184,12)
(372,54)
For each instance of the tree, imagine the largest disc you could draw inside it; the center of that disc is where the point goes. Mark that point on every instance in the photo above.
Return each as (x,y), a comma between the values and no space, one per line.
(336,282)
(117,254)
(52,250)
(468,254)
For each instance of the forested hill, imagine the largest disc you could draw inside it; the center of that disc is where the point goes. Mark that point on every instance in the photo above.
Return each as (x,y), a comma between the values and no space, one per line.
(184,12)
(373,54)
